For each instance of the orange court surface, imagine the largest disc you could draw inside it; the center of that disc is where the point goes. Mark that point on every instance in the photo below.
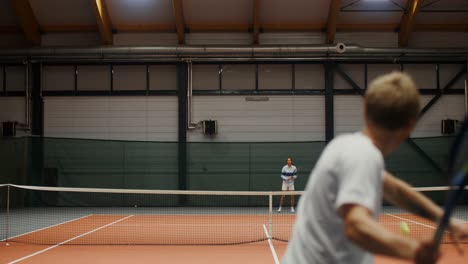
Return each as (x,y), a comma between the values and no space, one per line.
(258,252)
(107,239)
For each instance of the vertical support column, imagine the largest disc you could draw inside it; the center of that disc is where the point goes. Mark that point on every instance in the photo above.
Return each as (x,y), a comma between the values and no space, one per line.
(466,89)
(329,100)
(37,126)
(35,144)
(182,82)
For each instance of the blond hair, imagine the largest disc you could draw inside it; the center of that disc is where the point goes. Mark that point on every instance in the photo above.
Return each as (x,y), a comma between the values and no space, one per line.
(392,101)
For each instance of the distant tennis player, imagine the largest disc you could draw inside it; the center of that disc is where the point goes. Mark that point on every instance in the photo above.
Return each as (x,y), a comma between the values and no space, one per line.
(288,176)
(338,215)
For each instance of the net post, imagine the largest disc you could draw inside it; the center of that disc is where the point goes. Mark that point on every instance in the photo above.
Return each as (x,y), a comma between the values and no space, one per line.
(270,214)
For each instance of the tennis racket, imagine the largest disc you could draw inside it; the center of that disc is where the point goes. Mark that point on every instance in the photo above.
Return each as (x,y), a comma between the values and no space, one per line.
(458,169)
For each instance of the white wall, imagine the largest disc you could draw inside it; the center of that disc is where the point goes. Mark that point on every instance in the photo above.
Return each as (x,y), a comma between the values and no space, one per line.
(71,39)
(122,118)
(12,109)
(281,118)
(438,40)
(349,111)
(447,107)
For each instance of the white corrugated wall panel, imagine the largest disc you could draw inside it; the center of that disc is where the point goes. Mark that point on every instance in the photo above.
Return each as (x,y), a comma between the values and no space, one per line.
(447,107)
(71,39)
(349,110)
(12,109)
(121,118)
(438,40)
(13,40)
(281,118)
(349,114)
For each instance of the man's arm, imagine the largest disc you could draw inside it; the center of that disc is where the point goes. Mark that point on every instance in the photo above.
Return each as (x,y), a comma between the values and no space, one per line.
(283,176)
(363,230)
(294,174)
(400,193)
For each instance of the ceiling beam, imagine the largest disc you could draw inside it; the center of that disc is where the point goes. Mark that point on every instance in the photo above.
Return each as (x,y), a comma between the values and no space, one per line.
(333,12)
(407,21)
(28,21)
(256,21)
(179,20)
(103,21)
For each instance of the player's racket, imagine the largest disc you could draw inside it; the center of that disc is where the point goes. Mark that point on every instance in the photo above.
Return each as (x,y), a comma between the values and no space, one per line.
(458,169)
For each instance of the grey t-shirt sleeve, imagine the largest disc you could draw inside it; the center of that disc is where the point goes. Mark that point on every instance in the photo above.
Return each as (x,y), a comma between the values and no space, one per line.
(360,179)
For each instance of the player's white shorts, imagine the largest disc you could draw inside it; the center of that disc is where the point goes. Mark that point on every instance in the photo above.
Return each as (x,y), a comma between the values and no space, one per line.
(287,186)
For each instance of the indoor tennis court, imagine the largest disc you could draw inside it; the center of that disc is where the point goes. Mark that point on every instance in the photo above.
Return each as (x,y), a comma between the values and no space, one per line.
(55,222)
(162,130)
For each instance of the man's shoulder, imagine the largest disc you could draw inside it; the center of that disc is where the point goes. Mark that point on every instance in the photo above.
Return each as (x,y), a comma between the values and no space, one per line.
(351,141)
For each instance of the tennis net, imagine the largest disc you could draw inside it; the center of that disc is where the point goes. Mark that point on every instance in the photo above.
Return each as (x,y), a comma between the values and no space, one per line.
(84,216)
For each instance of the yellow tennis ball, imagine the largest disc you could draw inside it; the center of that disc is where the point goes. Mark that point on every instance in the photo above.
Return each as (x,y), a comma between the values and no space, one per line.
(404,228)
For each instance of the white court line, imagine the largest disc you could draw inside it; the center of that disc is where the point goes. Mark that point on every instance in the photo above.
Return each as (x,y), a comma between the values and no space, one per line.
(66,241)
(273,252)
(47,227)
(411,221)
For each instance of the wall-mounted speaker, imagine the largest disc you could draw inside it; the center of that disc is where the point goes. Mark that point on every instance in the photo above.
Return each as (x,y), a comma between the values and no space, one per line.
(9,129)
(448,126)
(209,127)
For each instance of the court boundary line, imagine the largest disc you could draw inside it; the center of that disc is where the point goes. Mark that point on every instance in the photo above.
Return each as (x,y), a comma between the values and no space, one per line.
(411,221)
(272,248)
(66,241)
(40,229)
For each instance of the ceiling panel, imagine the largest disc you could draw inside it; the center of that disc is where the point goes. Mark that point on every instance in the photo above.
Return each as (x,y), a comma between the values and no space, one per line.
(218,11)
(212,21)
(294,11)
(70,12)
(7,15)
(369,17)
(444,5)
(137,12)
(373,5)
(371,11)
(442,18)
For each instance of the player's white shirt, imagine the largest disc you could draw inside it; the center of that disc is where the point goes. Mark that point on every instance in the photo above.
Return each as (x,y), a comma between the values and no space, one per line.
(349,171)
(288,171)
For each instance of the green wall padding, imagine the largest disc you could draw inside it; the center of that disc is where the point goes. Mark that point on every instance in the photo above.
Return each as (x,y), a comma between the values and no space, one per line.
(210,166)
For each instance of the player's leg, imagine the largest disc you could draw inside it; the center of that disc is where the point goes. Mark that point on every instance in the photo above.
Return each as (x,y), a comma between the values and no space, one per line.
(291,188)
(281,203)
(284,187)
